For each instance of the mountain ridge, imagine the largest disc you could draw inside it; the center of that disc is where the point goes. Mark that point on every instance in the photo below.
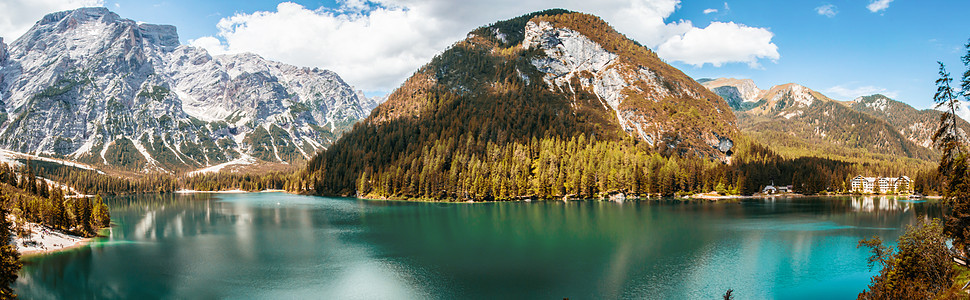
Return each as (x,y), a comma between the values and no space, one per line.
(117,93)
(566,66)
(819,122)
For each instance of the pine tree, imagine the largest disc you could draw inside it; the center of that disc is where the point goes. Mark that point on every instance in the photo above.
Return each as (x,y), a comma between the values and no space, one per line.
(100,217)
(58,212)
(83,215)
(953,167)
(947,137)
(9,258)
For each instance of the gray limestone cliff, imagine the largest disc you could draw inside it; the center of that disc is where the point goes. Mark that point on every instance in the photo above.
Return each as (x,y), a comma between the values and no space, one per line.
(91,86)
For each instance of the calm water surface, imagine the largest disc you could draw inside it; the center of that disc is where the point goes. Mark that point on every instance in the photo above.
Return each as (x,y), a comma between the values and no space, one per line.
(280,246)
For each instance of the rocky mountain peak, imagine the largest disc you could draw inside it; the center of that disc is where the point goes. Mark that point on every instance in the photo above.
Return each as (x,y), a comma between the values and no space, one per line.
(876,102)
(83,14)
(99,21)
(746,89)
(800,95)
(593,72)
(744,95)
(547,78)
(740,94)
(161,35)
(111,91)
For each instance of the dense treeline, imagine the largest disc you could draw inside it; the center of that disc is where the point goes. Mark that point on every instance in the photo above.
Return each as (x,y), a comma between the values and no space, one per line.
(546,168)
(240,181)
(581,167)
(33,199)
(9,258)
(90,182)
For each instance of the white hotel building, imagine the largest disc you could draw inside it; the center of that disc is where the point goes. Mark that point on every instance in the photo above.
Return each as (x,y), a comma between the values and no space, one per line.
(882,185)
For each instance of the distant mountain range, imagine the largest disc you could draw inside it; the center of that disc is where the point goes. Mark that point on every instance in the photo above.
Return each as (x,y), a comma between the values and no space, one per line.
(90,86)
(794,116)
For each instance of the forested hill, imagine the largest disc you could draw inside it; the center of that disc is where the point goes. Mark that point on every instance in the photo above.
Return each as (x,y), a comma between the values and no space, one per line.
(915,125)
(472,121)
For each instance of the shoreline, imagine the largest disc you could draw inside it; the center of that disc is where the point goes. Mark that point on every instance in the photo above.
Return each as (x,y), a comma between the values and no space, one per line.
(43,240)
(29,253)
(718,197)
(710,197)
(235,191)
(696,197)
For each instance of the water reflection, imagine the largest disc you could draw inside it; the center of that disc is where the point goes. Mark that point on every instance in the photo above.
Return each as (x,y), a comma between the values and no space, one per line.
(214,246)
(286,246)
(883,203)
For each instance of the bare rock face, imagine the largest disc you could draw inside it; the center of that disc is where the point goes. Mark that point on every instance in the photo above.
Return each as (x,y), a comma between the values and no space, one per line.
(92,86)
(571,56)
(746,89)
(3,52)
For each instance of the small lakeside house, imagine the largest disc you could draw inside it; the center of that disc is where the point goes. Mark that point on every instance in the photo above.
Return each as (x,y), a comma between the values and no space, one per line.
(772,189)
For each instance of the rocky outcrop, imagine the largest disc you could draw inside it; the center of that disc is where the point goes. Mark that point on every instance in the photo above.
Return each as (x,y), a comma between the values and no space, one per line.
(917,126)
(783,100)
(569,56)
(740,94)
(745,89)
(95,87)
(3,52)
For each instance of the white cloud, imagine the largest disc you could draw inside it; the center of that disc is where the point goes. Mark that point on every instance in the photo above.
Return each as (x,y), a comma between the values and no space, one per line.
(376,44)
(878,5)
(710,11)
(20,15)
(828,10)
(720,43)
(964,111)
(844,92)
(213,45)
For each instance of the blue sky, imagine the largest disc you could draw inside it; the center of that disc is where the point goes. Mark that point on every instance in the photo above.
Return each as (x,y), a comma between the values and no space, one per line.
(853,51)
(895,49)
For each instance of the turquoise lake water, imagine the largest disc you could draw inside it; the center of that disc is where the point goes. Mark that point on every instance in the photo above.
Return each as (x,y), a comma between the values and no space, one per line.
(281,246)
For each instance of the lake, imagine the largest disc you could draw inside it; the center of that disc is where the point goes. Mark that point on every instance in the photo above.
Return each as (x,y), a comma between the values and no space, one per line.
(281,246)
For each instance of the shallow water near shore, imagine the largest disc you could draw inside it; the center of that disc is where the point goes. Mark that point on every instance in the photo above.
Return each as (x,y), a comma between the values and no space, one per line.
(276,245)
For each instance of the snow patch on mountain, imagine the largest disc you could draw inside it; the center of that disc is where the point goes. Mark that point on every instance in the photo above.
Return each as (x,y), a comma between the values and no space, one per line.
(12,157)
(81,79)
(244,160)
(802,95)
(877,103)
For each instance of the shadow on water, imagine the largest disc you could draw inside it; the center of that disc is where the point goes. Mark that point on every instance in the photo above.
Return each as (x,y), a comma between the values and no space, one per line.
(271,245)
